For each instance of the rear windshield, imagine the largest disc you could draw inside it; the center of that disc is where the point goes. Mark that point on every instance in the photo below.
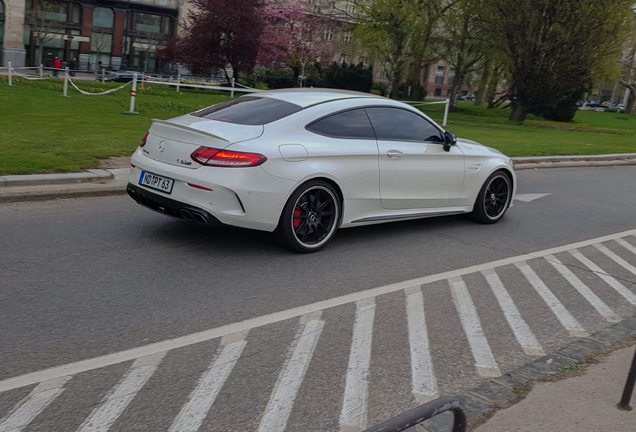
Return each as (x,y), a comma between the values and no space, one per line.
(249,110)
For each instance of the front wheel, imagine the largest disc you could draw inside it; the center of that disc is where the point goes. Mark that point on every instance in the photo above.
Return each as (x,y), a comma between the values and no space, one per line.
(493,199)
(310,218)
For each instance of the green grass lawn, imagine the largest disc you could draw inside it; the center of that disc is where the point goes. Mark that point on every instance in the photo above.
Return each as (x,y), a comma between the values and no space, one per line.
(41,131)
(590,133)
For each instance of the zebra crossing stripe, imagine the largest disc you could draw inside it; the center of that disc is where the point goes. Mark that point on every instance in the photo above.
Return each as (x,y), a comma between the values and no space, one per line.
(563,315)
(626,245)
(291,377)
(598,304)
(422,376)
(619,287)
(33,404)
(102,418)
(618,260)
(354,405)
(519,327)
(485,360)
(73,368)
(196,409)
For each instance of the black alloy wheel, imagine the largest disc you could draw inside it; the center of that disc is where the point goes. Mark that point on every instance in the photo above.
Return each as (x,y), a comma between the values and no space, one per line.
(310,218)
(493,199)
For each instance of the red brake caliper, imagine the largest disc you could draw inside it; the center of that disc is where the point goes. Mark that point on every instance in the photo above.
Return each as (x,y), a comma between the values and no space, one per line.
(296,218)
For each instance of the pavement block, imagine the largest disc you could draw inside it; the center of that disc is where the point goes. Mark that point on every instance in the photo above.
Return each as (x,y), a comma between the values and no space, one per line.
(553,363)
(492,391)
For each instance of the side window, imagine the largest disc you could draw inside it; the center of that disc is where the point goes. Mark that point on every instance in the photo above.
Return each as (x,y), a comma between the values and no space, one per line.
(403,125)
(347,124)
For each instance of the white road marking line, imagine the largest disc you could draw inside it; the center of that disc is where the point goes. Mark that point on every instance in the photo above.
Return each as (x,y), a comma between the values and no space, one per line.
(39,398)
(291,377)
(180,342)
(103,417)
(563,315)
(354,405)
(422,376)
(598,304)
(484,359)
(626,245)
(196,409)
(529,197)
(618,260)
(619,287)
(519,327)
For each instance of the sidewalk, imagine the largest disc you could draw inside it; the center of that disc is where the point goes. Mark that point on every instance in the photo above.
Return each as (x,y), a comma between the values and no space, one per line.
(113,179)
(585,403)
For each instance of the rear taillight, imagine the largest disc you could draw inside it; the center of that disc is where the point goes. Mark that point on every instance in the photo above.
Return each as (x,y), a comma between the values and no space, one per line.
(143,140)
(224,158)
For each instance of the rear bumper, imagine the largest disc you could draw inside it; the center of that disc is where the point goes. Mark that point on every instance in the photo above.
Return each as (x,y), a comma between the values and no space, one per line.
(172,207)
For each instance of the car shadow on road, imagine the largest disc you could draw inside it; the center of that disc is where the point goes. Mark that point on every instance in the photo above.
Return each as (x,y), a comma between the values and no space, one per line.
(232,240)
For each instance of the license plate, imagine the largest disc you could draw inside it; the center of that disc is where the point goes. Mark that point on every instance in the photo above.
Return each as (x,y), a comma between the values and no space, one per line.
(154,181)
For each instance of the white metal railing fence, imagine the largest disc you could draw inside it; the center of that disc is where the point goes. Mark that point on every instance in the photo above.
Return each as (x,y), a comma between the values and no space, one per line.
(446,101)
(160,81)
(178,85)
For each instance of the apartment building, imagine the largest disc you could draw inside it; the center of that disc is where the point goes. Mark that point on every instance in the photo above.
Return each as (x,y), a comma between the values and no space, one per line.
(114,34)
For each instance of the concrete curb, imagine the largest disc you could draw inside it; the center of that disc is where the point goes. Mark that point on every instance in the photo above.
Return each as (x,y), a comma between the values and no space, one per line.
(54,179)
(104,182)
(574,161)
(54,191)
(481,399)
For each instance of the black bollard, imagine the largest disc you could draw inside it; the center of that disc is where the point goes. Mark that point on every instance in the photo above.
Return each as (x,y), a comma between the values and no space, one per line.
(629,386)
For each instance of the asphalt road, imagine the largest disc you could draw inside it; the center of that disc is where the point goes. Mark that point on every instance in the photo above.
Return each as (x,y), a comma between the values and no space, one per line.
(82,278)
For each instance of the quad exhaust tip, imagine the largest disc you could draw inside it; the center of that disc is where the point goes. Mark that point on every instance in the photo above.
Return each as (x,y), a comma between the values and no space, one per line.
(193,216)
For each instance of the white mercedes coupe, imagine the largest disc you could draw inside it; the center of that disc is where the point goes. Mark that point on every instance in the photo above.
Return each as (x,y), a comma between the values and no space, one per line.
(304,162)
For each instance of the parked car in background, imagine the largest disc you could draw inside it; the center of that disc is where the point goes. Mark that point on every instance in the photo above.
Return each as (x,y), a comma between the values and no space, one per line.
(121,77)
(593,104)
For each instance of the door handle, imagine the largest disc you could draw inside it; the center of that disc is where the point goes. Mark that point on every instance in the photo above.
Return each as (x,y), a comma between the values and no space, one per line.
(394,153)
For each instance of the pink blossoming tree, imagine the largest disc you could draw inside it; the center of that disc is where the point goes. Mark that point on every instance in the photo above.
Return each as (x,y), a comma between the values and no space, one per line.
(297,34)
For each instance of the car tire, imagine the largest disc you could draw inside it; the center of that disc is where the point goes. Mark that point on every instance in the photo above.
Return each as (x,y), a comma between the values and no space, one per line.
(310,217)
(493,199)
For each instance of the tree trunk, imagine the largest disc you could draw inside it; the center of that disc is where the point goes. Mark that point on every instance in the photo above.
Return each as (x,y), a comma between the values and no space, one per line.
(416,93)
(519,112)
(452,105)
(492,88)
(395,81)
(485,76)
(296,71)
(631,101)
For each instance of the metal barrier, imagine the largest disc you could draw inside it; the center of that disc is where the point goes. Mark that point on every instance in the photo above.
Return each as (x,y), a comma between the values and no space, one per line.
(423,413)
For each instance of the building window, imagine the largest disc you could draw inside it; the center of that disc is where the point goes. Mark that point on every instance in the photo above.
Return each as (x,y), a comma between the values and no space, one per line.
(76,13)
(438,92)
(148,23)
(59,12)
(364,61)
(439,75)
(167,25)
(351,7)
(328,34)
(344,58)
(348,37)
(103,17)
(451,76)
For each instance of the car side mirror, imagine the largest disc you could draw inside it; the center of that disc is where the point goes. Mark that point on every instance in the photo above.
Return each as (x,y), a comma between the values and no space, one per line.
(449,140)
